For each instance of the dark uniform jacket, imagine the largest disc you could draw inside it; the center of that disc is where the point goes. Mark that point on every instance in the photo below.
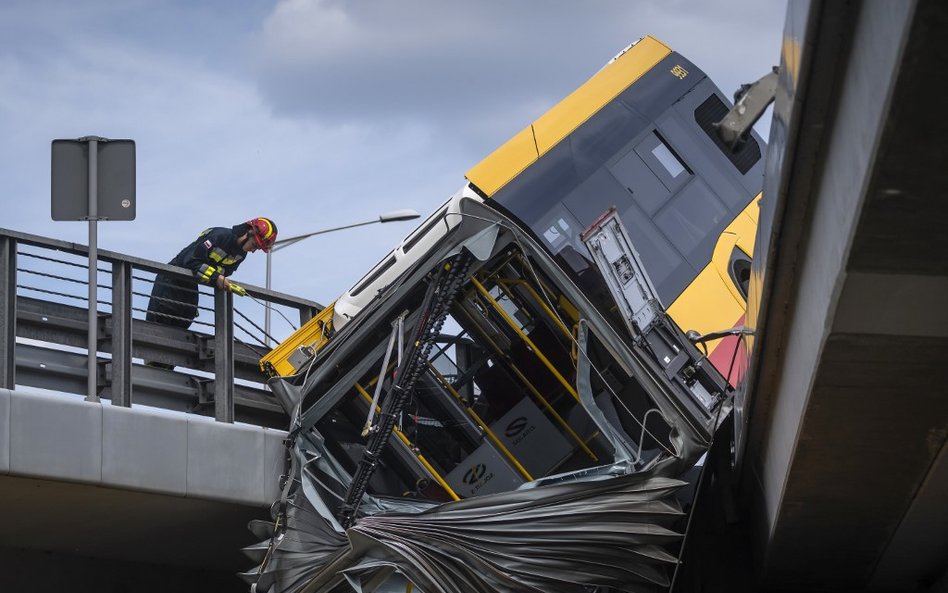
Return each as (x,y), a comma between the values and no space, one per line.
(174,300)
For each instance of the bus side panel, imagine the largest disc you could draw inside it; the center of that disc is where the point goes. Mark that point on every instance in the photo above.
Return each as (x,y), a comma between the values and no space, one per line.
(686,201)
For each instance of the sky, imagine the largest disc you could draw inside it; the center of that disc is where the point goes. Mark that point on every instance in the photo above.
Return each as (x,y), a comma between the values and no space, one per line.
(315,113)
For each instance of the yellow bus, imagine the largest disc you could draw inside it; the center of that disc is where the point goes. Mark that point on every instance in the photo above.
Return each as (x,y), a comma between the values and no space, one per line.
(640,136)
(536,330)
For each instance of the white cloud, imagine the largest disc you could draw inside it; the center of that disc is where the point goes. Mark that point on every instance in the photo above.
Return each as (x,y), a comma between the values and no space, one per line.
(479,72)
(314,112)
(300,29)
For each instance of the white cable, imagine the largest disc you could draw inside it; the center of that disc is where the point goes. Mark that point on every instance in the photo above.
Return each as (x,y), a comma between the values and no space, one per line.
(396,332)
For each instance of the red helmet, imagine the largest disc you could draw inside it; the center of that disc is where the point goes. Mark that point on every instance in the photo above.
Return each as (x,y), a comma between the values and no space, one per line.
(264,231)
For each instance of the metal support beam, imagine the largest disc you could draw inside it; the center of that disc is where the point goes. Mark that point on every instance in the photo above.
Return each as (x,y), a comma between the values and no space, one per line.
(121,334)
(750,102)
(223,356)
(8,311)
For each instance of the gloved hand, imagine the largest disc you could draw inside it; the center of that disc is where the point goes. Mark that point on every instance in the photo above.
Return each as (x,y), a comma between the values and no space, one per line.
(237,289)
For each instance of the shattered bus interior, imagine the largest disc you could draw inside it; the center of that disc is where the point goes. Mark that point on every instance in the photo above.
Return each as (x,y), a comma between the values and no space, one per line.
(518,396)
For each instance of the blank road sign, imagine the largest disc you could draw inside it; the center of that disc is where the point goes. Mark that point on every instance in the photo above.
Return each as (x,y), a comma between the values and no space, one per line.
(115,179)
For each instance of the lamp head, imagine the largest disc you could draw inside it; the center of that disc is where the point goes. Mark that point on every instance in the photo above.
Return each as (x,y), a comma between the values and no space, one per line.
(395,215)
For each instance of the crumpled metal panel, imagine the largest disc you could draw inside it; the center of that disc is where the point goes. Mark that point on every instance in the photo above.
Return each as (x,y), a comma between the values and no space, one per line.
(297,555)
(565,538)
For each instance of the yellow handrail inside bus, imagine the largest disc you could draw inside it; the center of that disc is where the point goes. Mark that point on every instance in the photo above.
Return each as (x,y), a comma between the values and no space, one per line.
(536,351)
(480,422)
(421,458)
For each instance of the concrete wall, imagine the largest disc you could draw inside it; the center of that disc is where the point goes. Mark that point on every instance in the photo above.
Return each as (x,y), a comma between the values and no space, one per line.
(62,437)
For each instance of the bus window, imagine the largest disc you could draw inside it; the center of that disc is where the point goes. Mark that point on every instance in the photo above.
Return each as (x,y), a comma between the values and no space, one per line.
(712,111)
(558,234)
(374,275)
(668,160)
(663,162)
(739,269)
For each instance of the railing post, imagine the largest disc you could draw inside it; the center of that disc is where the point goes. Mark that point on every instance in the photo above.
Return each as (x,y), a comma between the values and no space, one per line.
(93,340)
(307,314)
(223,356)
(8,311)
(121,334)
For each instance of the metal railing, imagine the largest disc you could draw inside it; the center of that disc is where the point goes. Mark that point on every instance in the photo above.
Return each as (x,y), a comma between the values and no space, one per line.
(44,316)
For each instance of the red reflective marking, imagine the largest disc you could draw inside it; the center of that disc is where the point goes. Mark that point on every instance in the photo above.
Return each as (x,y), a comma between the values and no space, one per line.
(729,363)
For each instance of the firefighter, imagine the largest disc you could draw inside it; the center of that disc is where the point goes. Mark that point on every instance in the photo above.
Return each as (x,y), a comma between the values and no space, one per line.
(212,257)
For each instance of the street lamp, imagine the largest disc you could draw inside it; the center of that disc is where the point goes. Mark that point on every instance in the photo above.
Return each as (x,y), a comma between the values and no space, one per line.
(393,216)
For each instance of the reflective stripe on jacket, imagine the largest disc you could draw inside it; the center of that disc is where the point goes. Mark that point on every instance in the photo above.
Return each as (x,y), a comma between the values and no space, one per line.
(216,251)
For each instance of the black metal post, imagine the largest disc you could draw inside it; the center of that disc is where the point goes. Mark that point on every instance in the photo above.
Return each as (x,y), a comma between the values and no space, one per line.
(8,311)
(93,368)
(121,334)
(223,356)
(307,314)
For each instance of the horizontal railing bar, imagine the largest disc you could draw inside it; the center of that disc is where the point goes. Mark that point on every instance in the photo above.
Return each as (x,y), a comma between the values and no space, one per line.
(65,372)
(58,323)
(48,347)
(152,266)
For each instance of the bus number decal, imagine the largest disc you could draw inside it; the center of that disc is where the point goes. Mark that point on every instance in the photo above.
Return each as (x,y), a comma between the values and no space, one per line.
(679,72)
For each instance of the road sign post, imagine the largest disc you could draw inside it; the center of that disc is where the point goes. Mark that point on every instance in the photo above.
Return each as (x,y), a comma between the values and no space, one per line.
(93,179)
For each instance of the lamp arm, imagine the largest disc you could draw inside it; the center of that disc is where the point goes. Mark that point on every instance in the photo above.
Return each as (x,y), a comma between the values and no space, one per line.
(280,244)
